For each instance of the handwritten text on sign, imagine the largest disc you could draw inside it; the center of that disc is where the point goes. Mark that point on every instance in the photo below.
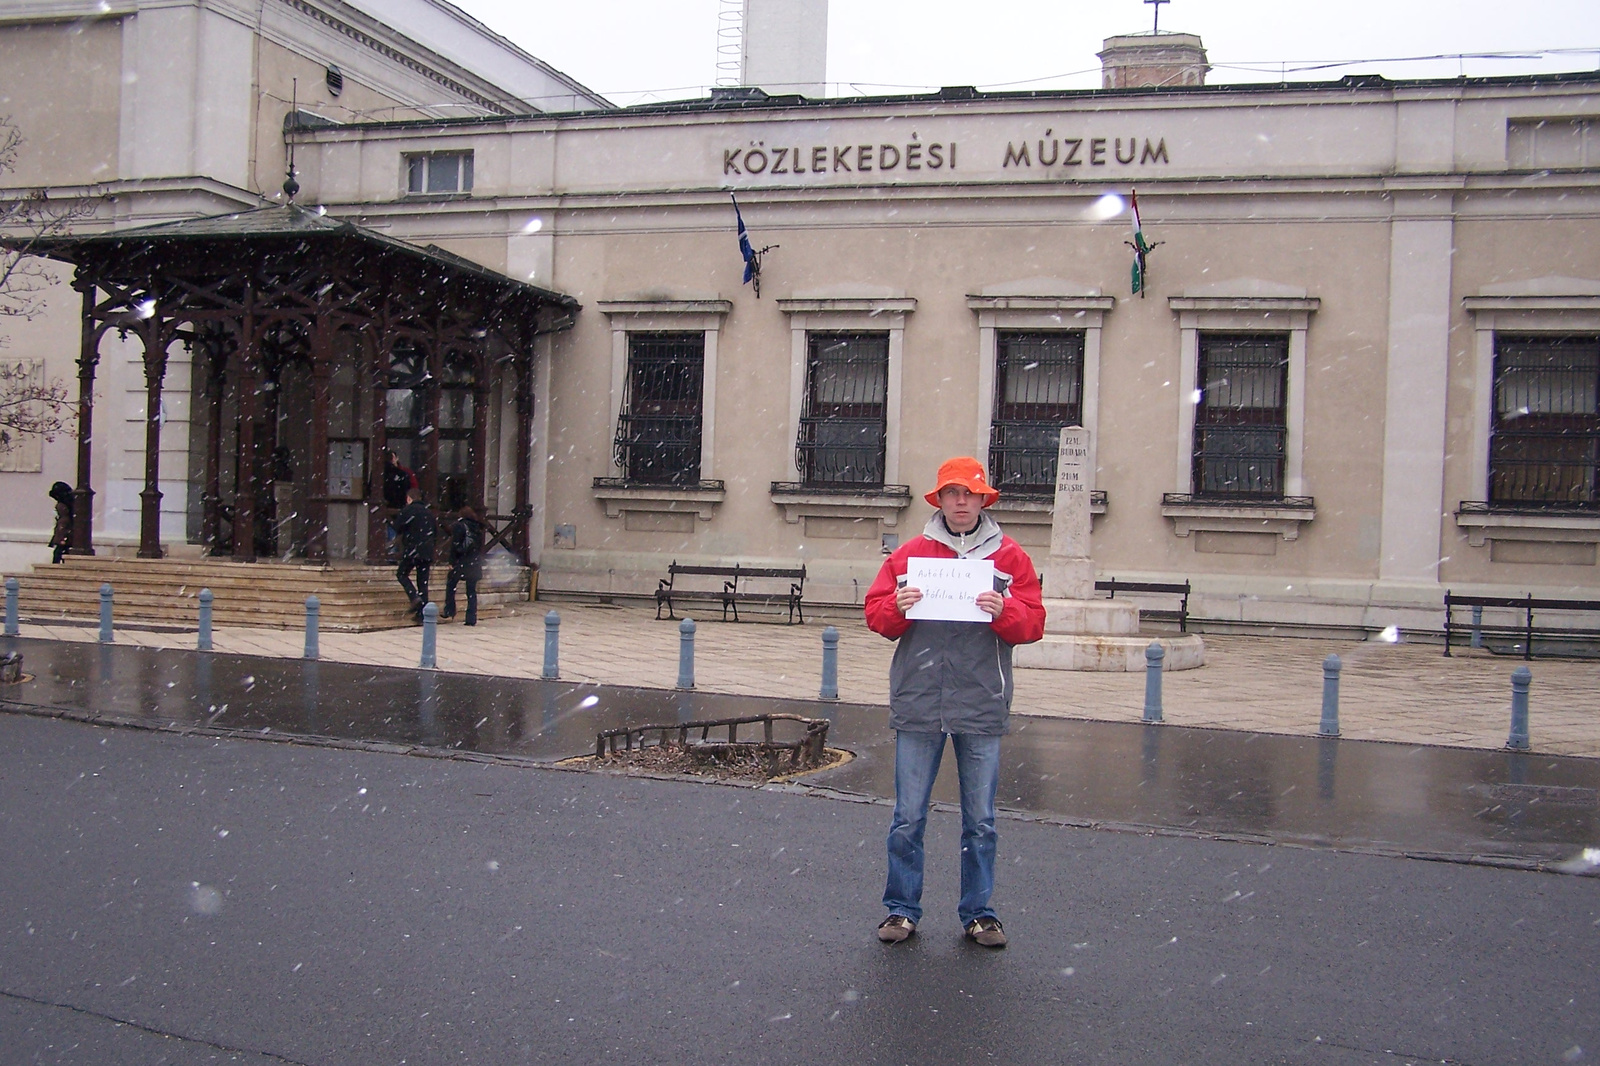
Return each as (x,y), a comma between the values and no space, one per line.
(950,588)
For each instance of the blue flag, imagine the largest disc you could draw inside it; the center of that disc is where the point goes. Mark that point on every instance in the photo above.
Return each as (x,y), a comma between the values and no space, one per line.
(752,266)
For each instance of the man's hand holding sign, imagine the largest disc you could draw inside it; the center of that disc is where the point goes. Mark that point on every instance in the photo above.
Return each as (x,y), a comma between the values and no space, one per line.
(950,590)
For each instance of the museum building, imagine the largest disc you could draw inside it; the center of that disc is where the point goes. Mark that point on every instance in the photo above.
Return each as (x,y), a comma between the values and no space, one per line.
(1363,365)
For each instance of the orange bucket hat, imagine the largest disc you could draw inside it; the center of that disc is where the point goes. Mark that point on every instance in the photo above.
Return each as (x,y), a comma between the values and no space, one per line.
(967,472)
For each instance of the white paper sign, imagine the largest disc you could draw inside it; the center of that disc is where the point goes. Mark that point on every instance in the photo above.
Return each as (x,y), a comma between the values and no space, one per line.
(950,588)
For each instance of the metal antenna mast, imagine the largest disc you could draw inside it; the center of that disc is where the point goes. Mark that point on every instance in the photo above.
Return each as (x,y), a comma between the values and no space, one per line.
(1155,27)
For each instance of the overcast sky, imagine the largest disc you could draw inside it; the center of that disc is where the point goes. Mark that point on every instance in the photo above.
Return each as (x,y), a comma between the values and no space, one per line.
(638,50)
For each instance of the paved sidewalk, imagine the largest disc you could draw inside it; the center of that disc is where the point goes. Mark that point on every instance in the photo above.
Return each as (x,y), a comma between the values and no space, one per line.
(1392,692)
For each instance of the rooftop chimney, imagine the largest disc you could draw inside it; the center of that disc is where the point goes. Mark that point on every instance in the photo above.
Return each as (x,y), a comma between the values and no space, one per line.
(786,46)
(1152,60)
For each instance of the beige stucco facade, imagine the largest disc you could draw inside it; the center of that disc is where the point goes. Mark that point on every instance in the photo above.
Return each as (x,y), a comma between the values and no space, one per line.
(1360,218)
(1386,230)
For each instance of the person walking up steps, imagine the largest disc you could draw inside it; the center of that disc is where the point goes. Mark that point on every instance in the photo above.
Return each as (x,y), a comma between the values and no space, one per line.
(416,528)
(466,563)
(952,679)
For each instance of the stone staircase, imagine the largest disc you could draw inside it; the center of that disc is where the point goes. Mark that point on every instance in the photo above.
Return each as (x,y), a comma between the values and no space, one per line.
(166,592)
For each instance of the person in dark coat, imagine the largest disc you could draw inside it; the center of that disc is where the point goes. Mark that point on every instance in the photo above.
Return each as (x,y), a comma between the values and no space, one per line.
(416,529)
(397,481)
(466,563)
(61,536)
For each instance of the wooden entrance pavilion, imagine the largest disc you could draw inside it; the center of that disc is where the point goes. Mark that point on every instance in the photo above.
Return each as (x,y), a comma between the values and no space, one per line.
(317,345)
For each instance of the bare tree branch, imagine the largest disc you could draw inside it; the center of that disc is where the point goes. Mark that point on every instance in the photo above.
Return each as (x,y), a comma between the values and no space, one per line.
(30,404)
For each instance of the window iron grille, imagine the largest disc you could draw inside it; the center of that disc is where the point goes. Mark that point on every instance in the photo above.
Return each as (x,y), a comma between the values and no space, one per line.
(1544,445)
(1038,390)
(659,430)
(1240,423)
(844,424)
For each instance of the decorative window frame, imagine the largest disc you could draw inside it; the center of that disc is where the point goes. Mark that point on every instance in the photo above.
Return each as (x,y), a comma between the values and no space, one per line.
(1261,307)
(1082,312)
(846,314)
(675,316)
(1543,305)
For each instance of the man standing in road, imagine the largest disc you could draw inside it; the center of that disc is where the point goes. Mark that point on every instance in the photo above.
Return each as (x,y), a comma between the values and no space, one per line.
(416,528)
(952,679)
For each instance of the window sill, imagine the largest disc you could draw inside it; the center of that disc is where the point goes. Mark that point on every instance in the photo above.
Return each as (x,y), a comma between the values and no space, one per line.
(1283,516)
(1037,511)
(1483,523)
(619,496)
(434,197)
(801,501)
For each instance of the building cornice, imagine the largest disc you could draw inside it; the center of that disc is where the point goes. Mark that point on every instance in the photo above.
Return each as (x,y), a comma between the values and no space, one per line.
(402,51)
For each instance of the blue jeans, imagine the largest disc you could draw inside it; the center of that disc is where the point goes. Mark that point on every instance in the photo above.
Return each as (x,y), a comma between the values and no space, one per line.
(916,764)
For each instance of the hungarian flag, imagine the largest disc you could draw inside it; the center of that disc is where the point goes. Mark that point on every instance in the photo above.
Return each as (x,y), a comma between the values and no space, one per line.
(752,266)
(1141,249)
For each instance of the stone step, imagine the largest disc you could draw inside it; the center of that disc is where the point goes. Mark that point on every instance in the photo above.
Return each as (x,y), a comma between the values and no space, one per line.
(166,591)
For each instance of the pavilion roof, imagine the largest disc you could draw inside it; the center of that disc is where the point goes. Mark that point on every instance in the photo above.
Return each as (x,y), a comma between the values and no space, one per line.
(277,223)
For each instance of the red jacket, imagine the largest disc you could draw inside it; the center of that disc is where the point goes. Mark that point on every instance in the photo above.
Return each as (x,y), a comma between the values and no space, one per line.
(955,677)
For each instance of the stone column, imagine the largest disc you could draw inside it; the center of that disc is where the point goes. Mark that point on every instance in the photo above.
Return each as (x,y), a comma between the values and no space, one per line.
(1069,575)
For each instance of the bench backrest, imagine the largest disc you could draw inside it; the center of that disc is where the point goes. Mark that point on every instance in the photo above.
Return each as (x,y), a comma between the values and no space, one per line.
(783,573)
(1452,600)
(702,571)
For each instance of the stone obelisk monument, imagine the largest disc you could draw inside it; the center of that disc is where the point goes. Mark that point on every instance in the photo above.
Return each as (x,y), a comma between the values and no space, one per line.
(1081,632)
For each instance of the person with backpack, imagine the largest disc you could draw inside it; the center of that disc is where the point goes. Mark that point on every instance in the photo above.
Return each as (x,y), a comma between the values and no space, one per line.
(61,536)
(466,563)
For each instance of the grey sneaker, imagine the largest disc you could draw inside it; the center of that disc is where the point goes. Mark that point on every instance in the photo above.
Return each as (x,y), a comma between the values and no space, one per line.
(895,928)
(987,932)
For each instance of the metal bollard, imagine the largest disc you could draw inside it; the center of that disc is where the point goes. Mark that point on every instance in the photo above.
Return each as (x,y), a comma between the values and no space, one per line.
(1477,627)
(11,607)
(313,611)
(1154,655)
(1521,678)
(1330,697)
(686,653)
(830,664)
(203,641)
(106,636)
(430,636)
(552,647)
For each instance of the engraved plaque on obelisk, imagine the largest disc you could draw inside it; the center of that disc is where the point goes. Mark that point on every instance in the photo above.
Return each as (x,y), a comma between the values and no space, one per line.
(1069,575)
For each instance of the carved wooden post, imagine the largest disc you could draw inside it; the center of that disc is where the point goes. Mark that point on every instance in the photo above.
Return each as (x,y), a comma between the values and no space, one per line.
(156,335)
(244,482)
(317,491)
(380,342)
(88,359)
(215,347)
(523,455)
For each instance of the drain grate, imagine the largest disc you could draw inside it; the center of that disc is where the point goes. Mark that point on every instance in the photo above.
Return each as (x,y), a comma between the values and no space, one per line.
(1553,795)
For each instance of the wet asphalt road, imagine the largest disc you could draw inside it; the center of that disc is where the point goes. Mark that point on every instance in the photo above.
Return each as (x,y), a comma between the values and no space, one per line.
(1388,798)
(190,899)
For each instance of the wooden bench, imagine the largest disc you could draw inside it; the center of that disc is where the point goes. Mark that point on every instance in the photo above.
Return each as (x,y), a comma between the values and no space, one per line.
(1181,615)
(735,588)
(1524,630)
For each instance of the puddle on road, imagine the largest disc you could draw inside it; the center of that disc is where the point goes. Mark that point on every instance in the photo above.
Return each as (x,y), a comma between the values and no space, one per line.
(1322,792)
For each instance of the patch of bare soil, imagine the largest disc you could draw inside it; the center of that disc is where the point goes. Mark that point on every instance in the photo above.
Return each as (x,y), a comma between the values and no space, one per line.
(715,766)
